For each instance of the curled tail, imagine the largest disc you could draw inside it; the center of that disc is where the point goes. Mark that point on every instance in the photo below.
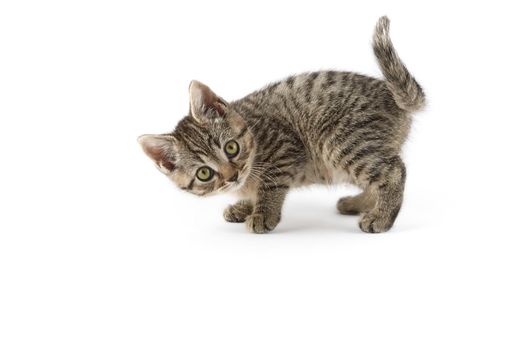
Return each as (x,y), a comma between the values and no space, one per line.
(407,93)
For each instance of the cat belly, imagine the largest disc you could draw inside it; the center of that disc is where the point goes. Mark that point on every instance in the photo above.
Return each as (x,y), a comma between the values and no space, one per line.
(322,174)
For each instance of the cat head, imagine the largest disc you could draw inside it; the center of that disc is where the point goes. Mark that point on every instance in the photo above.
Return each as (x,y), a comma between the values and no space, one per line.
(211,150)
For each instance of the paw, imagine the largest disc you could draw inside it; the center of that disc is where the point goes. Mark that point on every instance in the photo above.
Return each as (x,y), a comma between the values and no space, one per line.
(348,206)
(259,223)
(237,212)
(374,223)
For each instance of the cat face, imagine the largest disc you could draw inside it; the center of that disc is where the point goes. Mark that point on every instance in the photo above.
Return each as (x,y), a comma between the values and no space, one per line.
(211,150)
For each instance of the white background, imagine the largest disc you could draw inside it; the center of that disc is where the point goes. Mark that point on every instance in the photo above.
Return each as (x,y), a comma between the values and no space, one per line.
(99,251)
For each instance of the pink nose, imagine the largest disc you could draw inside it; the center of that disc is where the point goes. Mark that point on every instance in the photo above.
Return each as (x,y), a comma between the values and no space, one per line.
(234,177)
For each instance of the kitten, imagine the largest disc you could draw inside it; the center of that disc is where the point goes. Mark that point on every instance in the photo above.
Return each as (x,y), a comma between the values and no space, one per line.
(322,127)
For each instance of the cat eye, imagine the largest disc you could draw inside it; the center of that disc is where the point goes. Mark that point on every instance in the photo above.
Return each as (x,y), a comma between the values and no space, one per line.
(205,173)
(231,148)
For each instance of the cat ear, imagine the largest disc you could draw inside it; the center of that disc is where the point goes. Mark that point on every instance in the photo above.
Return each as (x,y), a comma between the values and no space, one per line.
(161,149)
(204,103)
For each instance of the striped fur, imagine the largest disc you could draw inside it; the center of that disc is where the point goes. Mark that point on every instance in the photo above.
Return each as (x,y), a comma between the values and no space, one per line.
(322,127)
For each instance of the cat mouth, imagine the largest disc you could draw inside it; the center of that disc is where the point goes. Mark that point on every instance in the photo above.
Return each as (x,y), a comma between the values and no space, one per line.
(243,175)
(233,186)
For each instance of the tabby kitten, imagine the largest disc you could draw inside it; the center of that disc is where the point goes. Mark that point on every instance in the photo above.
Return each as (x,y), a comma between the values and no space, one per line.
(322,127)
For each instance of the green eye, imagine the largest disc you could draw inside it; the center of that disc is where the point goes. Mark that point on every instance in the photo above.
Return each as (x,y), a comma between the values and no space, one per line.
(205,173)
(231,148)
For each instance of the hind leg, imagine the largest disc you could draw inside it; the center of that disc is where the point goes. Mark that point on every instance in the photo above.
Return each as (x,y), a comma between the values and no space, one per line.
(387,185)
(354,205)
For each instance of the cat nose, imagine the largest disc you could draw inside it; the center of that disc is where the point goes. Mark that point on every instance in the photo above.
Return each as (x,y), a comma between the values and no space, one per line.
(234,177)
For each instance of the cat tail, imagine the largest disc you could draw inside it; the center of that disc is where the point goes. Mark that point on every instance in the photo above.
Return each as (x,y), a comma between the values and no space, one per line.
(407,93)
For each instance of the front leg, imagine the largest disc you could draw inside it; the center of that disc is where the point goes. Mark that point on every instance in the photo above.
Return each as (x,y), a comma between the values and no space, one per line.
(238,211)
(267,211)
